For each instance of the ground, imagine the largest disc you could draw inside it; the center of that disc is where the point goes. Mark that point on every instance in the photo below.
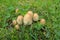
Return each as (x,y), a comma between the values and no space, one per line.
(47,9)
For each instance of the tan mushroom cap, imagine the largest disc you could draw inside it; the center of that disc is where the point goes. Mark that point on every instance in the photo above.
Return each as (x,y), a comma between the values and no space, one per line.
(30,13)
(35,17)
(28,18)
(42,21)
(14,22)
(17,27)
(20,20)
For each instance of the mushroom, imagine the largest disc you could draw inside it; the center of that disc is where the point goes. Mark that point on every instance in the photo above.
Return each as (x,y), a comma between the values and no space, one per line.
(42,21)
(14,22)
(20,20)
(17,27)
(28,18)
(16,10)
(35,17)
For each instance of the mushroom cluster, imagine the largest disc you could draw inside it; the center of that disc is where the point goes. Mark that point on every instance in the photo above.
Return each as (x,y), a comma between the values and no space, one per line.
(27,19)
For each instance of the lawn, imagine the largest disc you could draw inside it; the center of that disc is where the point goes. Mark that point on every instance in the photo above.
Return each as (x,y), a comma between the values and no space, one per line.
(47,9)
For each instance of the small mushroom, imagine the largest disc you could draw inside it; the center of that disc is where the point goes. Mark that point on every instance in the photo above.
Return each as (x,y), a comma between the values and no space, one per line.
(17,27)
(35,17)
(14,22)
(42,21)
(20,20)
(30,13)
(16,10)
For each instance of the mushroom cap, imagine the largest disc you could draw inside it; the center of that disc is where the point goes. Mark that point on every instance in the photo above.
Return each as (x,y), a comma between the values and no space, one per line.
(14,22)
(30,13)
(35,17)
(16,10)
(27,19)
(42,21)
(20,20)
(17,26)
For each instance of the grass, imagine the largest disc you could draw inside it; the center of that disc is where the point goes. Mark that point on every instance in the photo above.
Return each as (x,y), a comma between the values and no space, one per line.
(47,9)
